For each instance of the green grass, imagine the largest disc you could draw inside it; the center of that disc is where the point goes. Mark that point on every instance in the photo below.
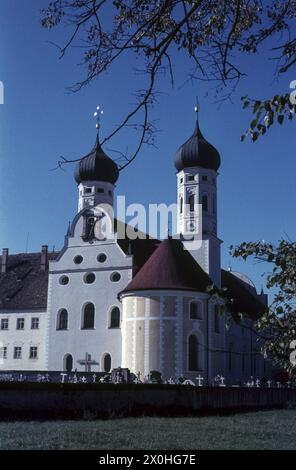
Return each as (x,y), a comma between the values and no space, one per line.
(261,430)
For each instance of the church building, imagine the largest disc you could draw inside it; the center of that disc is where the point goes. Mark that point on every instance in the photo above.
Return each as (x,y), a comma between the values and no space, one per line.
(138,303)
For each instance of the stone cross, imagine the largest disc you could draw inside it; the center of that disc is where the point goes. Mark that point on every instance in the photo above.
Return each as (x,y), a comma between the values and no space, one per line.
(269,382)
(257,383)
(199,379)
(222,384)
(87,362)
(278,384)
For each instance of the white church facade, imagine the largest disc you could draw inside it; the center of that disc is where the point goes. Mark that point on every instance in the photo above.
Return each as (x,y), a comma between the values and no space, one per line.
(138,303)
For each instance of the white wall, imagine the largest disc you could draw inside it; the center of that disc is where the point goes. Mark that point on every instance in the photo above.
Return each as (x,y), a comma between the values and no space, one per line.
(25,338)
(73,296)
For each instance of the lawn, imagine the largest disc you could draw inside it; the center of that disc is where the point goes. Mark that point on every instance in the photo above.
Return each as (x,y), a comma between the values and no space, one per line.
(261,430)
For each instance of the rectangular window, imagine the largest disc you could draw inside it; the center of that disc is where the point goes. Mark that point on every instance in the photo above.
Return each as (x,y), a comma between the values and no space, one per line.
(17,354)
(194,311)
(35,323)
(191,178)
(3,352)
(204,178)
(100,190)
(4,323)
(33,352)
(20,323)
(181,180)
(87,190)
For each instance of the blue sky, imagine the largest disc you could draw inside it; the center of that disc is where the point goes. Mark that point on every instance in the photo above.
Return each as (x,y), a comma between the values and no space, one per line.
(40,121)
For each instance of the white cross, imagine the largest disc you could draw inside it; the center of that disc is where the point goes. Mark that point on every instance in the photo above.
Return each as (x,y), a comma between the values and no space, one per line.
(221,378)
(199,379)
(97,115)
(278,384)
(257,383)
(269,382)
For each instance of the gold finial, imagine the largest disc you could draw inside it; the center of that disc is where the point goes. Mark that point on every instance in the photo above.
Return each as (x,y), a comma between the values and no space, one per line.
(98,115)
(196,107)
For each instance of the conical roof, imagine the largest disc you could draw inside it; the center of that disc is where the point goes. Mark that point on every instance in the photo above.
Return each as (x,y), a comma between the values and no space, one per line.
(170,267)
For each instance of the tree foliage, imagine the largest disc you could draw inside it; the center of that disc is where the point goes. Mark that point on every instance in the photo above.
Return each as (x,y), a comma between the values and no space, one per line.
(278,324)
(213,34)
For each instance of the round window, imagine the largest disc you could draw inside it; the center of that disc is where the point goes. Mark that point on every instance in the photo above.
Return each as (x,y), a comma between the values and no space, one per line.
(89,278)
(101,258)
(115,277)
(78,259)
(63,280)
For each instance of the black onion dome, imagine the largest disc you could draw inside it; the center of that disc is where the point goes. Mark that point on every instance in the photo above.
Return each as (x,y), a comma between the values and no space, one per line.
(197,151)
(96,166)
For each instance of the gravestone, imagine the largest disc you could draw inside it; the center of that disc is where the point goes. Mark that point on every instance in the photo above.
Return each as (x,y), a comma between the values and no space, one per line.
(120,375)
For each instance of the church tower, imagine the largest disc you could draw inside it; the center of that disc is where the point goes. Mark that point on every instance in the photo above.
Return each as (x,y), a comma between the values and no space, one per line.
(96,175)
(197,163)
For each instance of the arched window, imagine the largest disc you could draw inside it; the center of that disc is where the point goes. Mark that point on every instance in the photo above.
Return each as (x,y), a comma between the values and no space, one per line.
(114,318)
(194,311)
(62,320)
(204,202)
(191,202)
(217,319)
(68,363)
(107,363)
(88,319)
(193,358)
(181,205)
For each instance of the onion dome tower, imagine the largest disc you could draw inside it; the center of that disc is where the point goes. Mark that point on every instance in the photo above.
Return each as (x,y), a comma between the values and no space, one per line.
(96,175)
(197,163)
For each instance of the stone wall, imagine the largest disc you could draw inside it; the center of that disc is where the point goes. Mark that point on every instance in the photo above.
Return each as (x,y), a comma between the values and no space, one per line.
(90,401)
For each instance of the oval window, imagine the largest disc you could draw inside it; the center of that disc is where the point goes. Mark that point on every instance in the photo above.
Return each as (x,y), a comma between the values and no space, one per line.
(78,259)
(64,280)
(101,258)
(89,278)
(115,277)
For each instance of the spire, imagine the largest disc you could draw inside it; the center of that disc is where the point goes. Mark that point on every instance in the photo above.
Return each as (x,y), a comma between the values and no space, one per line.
(197,131)
(196,109)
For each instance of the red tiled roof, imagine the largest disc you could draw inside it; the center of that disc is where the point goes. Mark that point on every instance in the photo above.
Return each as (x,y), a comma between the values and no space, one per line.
(170,267)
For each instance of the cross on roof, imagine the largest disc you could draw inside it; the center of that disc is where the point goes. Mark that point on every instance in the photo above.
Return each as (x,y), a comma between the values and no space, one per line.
(87,362)
(97,115)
